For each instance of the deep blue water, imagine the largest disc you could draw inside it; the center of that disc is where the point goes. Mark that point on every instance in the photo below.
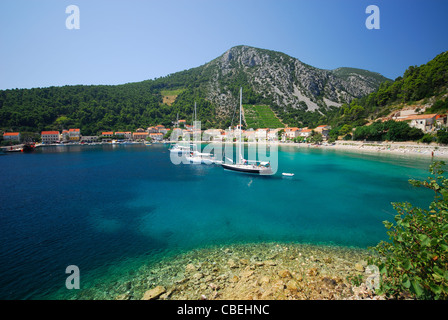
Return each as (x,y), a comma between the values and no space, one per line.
(99,206)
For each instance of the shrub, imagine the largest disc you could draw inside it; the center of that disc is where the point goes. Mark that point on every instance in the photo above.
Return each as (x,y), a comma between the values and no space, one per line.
(415,259)
(427,138)
(442,136)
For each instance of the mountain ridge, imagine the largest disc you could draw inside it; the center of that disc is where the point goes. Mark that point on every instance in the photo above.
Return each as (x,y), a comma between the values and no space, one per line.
(285,80)
(290,87)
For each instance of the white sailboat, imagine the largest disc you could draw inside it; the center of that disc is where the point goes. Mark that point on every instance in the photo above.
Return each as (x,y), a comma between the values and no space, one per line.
(243,165)
(197,157)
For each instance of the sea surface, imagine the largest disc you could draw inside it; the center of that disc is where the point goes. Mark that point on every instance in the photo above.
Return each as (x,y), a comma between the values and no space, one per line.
(110,208)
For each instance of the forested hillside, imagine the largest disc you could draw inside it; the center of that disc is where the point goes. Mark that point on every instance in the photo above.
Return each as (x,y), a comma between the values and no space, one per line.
(428,82)
(299,94)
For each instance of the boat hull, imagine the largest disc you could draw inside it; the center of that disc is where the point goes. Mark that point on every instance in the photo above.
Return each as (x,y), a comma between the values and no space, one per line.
(246,169)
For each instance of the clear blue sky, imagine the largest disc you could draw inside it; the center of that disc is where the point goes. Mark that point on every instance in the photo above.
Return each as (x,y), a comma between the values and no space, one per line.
(127,41)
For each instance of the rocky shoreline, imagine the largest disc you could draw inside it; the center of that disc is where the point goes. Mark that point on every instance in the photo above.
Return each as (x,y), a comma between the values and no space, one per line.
(265,271)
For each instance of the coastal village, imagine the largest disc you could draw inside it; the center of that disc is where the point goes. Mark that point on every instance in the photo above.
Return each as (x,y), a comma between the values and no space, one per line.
(181,131)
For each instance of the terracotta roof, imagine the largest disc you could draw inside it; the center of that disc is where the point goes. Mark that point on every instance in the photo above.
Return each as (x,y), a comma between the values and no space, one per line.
(11,134)
(307,130)
(73,130)
(107,132)
(421,116)
(49,132)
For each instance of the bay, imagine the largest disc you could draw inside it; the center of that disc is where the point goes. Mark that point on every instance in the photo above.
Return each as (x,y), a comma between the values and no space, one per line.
(109,207)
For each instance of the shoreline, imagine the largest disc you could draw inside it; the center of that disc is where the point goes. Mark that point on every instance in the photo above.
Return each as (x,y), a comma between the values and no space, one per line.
(252,271)
(392,148)
(383,148)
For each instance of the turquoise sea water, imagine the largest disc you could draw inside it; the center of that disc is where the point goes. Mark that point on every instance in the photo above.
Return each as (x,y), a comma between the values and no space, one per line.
(99,207)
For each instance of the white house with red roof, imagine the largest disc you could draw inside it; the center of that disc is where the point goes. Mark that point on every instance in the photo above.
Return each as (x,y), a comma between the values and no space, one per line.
(11,136)
(50,136)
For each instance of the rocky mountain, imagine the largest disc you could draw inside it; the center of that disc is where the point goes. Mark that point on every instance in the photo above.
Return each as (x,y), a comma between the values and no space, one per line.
(283,80)
(290,87)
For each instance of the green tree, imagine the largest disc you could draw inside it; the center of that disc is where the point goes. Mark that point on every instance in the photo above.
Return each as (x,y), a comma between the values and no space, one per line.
(415,260)
(346,128)
(442,136)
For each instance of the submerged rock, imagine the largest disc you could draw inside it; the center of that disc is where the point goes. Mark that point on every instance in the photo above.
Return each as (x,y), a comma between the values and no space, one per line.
(154,293)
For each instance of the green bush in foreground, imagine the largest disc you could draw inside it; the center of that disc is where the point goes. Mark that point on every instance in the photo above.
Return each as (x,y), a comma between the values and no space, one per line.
(415,260)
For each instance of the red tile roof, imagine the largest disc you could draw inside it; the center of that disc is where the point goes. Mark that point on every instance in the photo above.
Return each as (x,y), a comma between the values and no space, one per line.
(11,134)
(421,116)
(49,132)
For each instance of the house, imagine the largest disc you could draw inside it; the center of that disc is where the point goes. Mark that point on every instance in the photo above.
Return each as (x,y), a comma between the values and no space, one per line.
(249,135)
(323,130)
(441,120)
(156,136)
(50,136)
(306,133)
(64,136)
(292,133)
(261,134)
(273,134)
(425,122)
(11,136)
(152,130)
(163,130)
(140,135)
(89,139)
(74,134)
(107,134)
(123,135)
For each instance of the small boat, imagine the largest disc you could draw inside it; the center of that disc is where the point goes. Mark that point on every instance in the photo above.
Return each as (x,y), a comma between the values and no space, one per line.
(177,148)
(288,174)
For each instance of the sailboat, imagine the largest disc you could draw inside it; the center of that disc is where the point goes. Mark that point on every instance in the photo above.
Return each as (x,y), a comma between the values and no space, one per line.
(243,165)
(180,147)
(197,157)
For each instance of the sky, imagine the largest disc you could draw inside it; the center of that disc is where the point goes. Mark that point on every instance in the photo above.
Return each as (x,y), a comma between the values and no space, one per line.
(122,41)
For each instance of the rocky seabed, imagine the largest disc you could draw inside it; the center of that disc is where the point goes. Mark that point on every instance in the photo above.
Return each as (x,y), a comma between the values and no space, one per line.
(269,271)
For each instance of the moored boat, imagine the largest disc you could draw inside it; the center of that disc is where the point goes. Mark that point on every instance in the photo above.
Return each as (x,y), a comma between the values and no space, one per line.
(243,165)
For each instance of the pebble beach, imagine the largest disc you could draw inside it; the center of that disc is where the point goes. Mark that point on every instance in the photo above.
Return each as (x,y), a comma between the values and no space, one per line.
(394,148)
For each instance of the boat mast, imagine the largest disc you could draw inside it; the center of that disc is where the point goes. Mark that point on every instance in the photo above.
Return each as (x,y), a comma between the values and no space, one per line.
(241,104)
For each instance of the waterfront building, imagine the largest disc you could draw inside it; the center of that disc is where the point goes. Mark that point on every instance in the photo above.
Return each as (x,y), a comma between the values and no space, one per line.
(107,134)
(74,134)
(140,135)
(64,136)
(323,130)
(89,139)
(156,136)
(11,136)
(273,134)
(292,133)
(50,136)
(306,132)
(425,122)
